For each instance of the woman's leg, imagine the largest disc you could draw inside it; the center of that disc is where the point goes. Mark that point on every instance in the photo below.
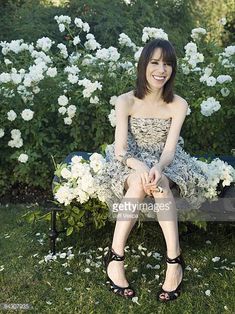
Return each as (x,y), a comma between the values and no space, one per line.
(123,228)
(167,218)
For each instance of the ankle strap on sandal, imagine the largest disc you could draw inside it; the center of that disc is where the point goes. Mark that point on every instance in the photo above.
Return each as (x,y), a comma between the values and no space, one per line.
(115,257)
(176,260)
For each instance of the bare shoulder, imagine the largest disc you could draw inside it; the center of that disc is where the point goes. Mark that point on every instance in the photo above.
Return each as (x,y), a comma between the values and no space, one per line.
(179,105)
(125,101)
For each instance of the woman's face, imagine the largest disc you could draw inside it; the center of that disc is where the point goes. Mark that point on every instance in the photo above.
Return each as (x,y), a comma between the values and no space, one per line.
(158,72)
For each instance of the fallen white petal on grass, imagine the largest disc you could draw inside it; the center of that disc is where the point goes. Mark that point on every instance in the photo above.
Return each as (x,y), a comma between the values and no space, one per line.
(69,273)
(98,264)
(208,242)
(65,265)
(135,300)
(208,293)
(87,270)
(49,302)
(157,266)
(126,249)
(70,257)
(141,248)
(188,268)
(226,308)
(62,255)
(215,259)
(100,249)
(1,267)
(68,289)
(135,270)
(157,255)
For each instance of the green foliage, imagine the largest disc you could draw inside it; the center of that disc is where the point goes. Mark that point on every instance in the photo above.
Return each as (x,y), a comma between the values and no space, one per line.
(46,134)
(77,216)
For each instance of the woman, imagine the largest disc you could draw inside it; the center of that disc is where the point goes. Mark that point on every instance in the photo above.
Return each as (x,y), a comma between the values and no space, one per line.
(146,160)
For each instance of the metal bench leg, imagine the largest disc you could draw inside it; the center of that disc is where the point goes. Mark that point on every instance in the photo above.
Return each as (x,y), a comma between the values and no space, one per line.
(53,233)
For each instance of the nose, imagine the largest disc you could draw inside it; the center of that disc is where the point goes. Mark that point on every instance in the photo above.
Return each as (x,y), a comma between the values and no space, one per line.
(162,68)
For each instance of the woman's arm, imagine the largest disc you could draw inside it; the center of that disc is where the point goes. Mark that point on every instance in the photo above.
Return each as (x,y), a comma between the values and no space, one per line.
(122,109)
(179,111)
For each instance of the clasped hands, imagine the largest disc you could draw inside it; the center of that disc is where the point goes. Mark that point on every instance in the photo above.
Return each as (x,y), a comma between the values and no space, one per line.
(150,179)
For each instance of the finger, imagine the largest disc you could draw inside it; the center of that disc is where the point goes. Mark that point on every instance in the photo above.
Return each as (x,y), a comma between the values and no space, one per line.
(150,184)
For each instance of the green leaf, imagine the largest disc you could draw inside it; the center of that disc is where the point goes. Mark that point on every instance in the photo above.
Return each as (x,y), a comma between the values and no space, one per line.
(69,231)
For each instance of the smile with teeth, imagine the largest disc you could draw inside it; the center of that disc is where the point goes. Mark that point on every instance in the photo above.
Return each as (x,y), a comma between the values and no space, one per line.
(159,78)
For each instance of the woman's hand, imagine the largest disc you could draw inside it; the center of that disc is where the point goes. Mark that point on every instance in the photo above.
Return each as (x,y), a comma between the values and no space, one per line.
(143,171)
(155,175)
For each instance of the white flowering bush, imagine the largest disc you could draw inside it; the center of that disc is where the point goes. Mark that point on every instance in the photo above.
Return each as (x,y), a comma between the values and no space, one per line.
(219,174)
(57,97)
(77,192)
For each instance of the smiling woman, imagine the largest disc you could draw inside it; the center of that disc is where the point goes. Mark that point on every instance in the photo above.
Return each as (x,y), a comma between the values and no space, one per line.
(146,160)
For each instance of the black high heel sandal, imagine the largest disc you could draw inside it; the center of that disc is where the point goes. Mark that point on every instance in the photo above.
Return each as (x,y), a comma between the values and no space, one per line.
(172,295)
(109,257)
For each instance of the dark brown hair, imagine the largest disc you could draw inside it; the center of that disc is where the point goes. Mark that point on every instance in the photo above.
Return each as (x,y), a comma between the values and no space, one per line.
(169,56)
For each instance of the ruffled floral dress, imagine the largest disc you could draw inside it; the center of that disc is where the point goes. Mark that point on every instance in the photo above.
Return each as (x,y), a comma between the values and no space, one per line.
(146,140)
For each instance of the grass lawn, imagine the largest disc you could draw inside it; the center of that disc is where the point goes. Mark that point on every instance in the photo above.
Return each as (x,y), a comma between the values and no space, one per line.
(77,285)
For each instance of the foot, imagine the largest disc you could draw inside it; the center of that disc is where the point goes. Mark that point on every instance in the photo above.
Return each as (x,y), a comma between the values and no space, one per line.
(116,273)
(174,276)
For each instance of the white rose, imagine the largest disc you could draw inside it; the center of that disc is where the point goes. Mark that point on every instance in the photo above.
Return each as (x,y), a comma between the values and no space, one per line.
(71,110)
(11,115)
(211,81)
(2,132)
(76,40)
(27,114)
(112,118)
(15,133)
(94,100)
(113,100)
(73,79)
(225,91)
(23,158)
(68,121)
(62,110)
(63,100)
(65,173)
(52,72)
(61,28)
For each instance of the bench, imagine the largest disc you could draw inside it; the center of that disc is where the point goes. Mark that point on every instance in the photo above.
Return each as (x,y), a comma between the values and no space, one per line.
(228,193)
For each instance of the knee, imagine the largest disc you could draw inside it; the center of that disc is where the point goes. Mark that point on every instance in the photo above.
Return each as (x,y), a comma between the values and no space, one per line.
(135,183)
